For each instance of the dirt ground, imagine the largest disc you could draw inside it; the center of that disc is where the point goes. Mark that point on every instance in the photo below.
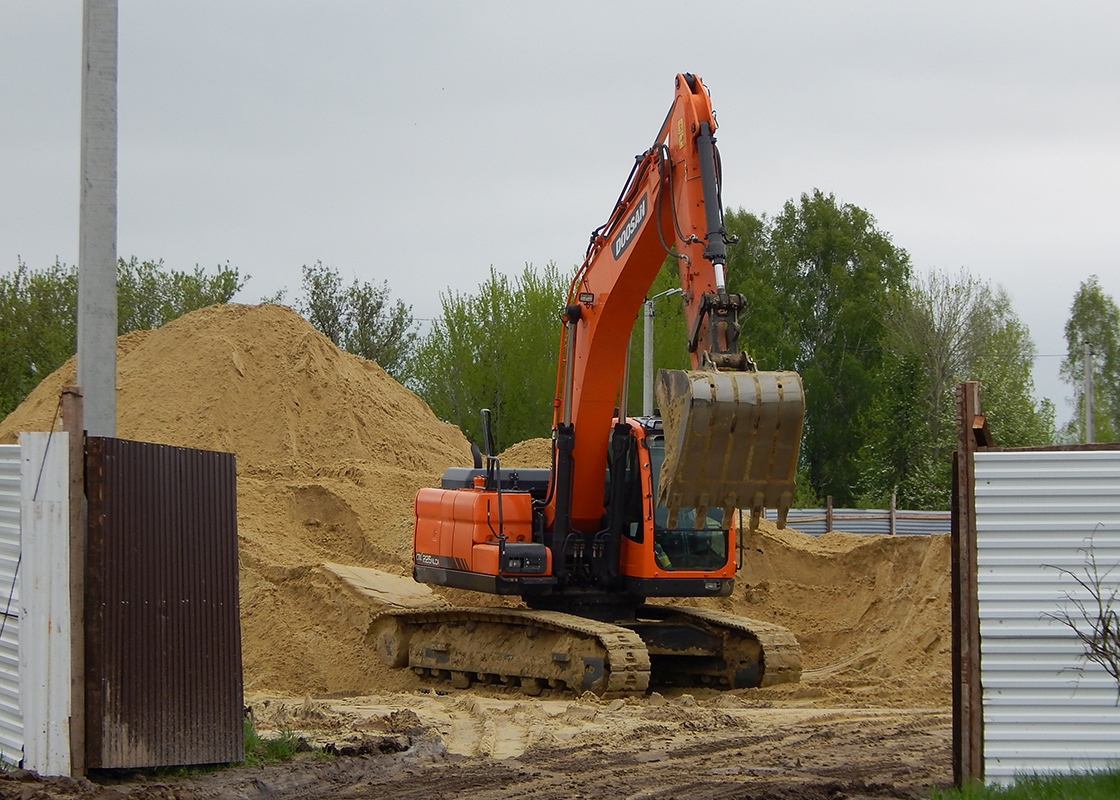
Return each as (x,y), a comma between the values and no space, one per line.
(330,452)
(432,744)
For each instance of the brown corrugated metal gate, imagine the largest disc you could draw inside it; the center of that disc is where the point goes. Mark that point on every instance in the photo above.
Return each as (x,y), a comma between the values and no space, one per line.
(163,637)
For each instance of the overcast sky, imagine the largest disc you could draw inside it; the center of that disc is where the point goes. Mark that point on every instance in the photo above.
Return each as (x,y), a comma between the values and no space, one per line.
(422,142)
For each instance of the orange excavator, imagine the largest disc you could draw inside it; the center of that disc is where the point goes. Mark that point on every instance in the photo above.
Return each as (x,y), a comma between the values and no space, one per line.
(632,507)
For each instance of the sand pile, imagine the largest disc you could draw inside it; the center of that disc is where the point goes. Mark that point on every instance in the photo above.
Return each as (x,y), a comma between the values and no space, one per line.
(872,613)
(529,454)
(330,452)
(260,382)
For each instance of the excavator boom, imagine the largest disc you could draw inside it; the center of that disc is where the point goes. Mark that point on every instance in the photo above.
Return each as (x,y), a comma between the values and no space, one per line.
(732,431)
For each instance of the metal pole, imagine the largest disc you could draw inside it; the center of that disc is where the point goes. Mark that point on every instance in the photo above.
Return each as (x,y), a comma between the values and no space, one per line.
(1089,438)
(647,358)
(647,350)
(97,219)
(572,323)
(624,389)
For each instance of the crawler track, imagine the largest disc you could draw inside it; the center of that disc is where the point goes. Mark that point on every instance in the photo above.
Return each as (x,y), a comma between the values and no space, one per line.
(752,653)
(535,649)
(532,649)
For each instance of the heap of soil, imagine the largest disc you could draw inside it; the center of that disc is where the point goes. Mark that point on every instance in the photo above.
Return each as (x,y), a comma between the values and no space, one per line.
(330,452)
(872,613)
(529,454)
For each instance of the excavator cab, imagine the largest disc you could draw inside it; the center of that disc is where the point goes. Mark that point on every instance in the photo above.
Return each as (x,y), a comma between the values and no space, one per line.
(662,554)
(686,548)
(698,540)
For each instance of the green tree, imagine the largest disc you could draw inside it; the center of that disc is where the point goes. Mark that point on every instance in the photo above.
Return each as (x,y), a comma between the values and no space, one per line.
(359,318)
(38,321)
(1003,368)
(816,278)
(770,332)
(324,303)
(37,328)
(943,330)
(901,453)
(149,295)
(1094,318)
(496,349)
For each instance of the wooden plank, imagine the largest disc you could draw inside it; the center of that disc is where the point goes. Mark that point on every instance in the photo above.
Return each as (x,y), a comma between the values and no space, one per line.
(72,423)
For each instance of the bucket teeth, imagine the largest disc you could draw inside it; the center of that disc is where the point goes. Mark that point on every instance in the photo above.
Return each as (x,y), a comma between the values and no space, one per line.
(731,440)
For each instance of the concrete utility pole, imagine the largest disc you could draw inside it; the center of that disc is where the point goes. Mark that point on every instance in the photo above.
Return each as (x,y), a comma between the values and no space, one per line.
(647,358)
(97,219)
(647,351)
(1088,392)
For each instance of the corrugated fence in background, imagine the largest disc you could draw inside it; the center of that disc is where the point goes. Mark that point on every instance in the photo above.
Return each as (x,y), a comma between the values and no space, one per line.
(1042,519)
(11,721)
(163,647)
(865,520)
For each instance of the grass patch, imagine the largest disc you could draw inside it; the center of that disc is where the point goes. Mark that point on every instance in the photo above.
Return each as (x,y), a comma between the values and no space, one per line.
(1082,786)
(261,750)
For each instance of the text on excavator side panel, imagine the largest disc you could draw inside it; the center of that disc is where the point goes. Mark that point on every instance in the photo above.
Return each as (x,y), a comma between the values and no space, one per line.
(629,228)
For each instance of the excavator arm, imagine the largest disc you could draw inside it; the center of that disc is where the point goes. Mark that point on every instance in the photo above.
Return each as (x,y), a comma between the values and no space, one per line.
(732,433)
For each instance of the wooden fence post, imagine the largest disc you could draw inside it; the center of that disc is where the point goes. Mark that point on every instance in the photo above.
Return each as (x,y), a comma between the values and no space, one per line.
(968,709)
(73,423)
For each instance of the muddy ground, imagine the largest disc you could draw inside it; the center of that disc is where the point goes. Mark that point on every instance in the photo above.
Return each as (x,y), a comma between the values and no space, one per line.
(433,743)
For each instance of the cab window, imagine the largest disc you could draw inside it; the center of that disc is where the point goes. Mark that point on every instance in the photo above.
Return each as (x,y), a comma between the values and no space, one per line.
(687,545)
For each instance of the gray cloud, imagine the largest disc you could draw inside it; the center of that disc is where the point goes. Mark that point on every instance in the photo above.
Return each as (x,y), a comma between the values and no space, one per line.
(424,142)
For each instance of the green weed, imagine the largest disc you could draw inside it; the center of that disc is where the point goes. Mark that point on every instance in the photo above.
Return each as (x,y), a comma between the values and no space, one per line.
(1082,786)
(261,750)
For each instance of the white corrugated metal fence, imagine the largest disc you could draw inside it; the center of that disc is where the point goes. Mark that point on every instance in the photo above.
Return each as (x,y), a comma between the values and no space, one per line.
(35,603)
(11,722)
(1042,518)
(44,652)
(813,521)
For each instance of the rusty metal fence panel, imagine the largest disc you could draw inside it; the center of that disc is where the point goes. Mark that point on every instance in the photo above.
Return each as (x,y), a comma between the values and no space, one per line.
(163,644)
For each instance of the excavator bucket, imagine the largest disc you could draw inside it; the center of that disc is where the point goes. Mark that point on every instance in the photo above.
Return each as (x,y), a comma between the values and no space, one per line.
(731,441)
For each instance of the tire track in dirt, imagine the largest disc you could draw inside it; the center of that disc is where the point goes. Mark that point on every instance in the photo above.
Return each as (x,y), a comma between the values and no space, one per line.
(801,754)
